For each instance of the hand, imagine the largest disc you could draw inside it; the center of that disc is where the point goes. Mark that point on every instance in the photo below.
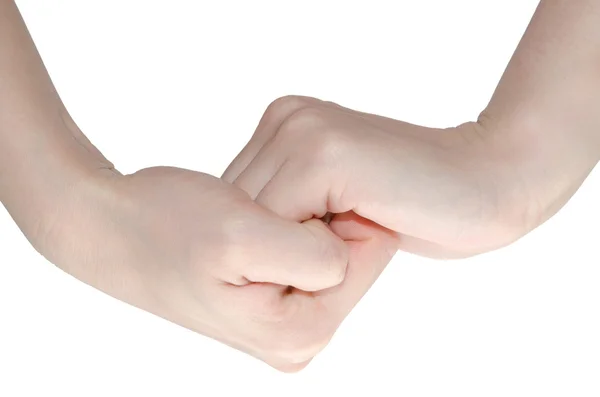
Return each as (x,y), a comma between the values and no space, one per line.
(197,251)
(446,193)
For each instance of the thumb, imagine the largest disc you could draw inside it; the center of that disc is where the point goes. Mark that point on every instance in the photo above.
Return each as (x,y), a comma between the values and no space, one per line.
(371,248)
(307,256)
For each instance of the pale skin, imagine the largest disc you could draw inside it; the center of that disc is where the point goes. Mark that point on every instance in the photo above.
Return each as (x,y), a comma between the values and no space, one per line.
(188,246)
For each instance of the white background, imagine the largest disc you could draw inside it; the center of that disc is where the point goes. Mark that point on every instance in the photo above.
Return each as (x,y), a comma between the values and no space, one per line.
(184,83)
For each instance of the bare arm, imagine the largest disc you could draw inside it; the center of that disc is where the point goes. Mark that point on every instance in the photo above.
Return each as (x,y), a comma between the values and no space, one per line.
(170,241)
(447,192)
(43,155)
(548,102)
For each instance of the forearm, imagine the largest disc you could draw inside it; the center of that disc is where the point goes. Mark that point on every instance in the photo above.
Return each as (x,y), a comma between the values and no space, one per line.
(547,103)
(42,153)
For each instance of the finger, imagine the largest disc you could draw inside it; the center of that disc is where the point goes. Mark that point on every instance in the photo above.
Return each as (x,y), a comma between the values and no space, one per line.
(281,193)
(283,108)
(294,191)
(371,248)
(263,156)
(276,113)
(280,329)
(257,178)
(267,162)
(306,256)
(347,230)
(291,138)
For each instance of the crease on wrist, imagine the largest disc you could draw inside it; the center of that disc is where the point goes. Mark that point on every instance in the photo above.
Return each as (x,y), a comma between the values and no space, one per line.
(82,141)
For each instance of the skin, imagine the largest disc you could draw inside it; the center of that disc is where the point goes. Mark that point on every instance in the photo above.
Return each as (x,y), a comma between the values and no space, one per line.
(454,192)
(189,247)
(186,246)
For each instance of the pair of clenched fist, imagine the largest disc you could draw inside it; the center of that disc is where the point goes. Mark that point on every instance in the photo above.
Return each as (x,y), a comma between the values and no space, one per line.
(247,258)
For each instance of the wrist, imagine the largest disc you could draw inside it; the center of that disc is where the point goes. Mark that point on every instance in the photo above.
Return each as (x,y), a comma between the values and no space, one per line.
(45,177)
(539,161)
(75,220)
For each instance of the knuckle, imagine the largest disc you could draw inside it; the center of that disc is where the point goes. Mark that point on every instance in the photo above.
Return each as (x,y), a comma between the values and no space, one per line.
(287,339)
(297,347)
(270,309)
(312,129)
(285,105)
(306,120)
(330,146)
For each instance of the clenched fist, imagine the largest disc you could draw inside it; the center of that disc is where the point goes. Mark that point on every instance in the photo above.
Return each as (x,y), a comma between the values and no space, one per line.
(444,192)
(199,252)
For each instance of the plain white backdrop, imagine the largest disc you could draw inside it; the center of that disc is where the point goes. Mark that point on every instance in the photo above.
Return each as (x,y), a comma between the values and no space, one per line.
(184,83)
